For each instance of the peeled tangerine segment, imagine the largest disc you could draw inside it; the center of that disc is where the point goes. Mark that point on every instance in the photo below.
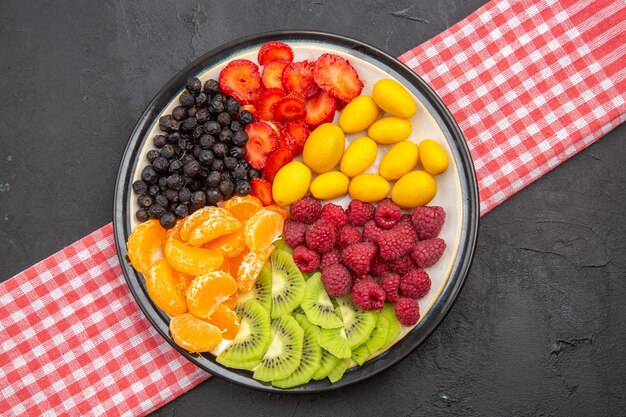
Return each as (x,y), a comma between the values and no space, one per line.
(250,267)
(144,243)
(198,217)
(194,334)
(163,288)
(192,260)
(230,245)
(207,292)
(212,228)
(242,207)
(226,320)
(262,229)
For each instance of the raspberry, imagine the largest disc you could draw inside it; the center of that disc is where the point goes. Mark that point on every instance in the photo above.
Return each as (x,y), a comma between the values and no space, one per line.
(387,214)
(402,265)
(347,236)
(368,295)
(407,311)
(330,258)
(307,210)
(306,259)
(415,284)
(371,231)
(390,283)
(427,252)
(358,256)
(428,221)
(394,244)
(294,233)
(335,214)
(337,280)
(405,225)
(321,236)
(379,266)
(359,212)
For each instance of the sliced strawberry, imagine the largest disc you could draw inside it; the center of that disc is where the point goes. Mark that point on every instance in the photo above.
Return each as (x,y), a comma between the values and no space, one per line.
(248,107)
(274,51)
(241,79)
(340,104)
(265,104)
(289,108)
(286,141)
(298,78)
(337,76)
(262,190)
(273,74)
(320,109)
(276,161)
(299,132)
(262,141)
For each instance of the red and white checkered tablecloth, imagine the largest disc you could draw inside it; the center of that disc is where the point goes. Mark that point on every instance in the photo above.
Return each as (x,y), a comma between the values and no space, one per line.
(531,83)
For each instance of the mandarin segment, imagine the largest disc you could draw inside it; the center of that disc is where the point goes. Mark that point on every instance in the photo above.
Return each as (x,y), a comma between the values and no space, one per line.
(194,334)
(250,267)
(230,245)
(191,260)
(163,288)
(144,243)
(212,228)
(278,209)
(242,207)
(183,281)
(207,292)
(198,217)
(226,321)
(262,229)
(174,232)
(231,302)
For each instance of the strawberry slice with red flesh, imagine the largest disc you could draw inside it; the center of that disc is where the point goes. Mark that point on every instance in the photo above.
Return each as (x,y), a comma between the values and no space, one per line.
(337,77)
(286,141)
(289,108)
(273,74)
(262,190)
(320,109)
(275,51)
(276,161)
(265,104)
(241,79)
(299,133)
(262,141)
(298,78)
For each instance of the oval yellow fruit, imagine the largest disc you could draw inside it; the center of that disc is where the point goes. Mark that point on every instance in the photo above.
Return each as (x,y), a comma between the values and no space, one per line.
(330,185)
(389,130)
(414,189)
(399,160)
(360,154)
(434,157)
(393,98)
(368,188)
(291,183)
(358,114)
(324,148)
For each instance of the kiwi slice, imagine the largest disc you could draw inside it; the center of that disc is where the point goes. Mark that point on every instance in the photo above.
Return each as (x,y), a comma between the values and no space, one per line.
(335,341)
(379,334)
(285,350)
(317,305)
(358,324)
(337,373)
(327,364)
(310,360)
(287,284)
(262,290)
(252,340)
(282,245)
(361,354)
(394,326)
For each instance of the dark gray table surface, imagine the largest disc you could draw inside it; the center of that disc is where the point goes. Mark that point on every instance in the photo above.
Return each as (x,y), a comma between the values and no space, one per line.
(539,328)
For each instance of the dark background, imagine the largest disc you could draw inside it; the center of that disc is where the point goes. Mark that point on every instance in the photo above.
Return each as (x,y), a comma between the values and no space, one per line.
(539,328)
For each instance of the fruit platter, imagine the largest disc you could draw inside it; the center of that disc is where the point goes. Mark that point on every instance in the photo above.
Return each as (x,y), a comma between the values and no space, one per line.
(296,211)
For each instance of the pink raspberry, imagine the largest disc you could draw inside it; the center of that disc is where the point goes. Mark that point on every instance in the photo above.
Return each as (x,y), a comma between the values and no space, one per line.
(347,236)
(306,259)
(407,311)
(368,295)
(321,236)
(307,210)
(394,244)
(415,284)
(294,232)
(330,258)
(427,252)
(337,280)
(358,256)
(428,221)
(335,214)
(402,265)
(371,231)
(387,214)
(405,225)
(390,283)
(359,212)
(378,266)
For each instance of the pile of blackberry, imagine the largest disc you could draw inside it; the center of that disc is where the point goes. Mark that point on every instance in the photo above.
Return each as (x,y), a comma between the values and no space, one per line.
(199,157)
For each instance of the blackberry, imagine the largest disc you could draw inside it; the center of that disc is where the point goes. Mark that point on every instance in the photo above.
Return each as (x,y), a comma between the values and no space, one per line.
(217,165)
(191,168)
(167,151)
(203,116)
(152,155)
(156,211)
(159,141)
(211,127)
(201,99)
(175,181)
(225,135)
(186,100)
(235,126)
(198,200)
(184,195)
(154,190)
(189,124)
(236,152)
(144,201)
(171,195)
(149,175)
(223,119)
(232,106)
(181,211)
(167,123)
(160,164)
(168,220)
(226,187)
(206,141)
(161,200)
(245,117)
(179,113)
(211,87)
(230,163)
(142,215)
(213,196)
(242,187)
(213,179)
(206,157)
(240,172)
(220,150)
(193,85)
(175,166)
(239,138)
(254,173)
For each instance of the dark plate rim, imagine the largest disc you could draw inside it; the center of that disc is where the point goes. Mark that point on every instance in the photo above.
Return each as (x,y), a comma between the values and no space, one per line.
(469,228)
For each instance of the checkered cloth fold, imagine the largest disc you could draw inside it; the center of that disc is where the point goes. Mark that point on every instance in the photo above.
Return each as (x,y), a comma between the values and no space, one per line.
(530,84)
